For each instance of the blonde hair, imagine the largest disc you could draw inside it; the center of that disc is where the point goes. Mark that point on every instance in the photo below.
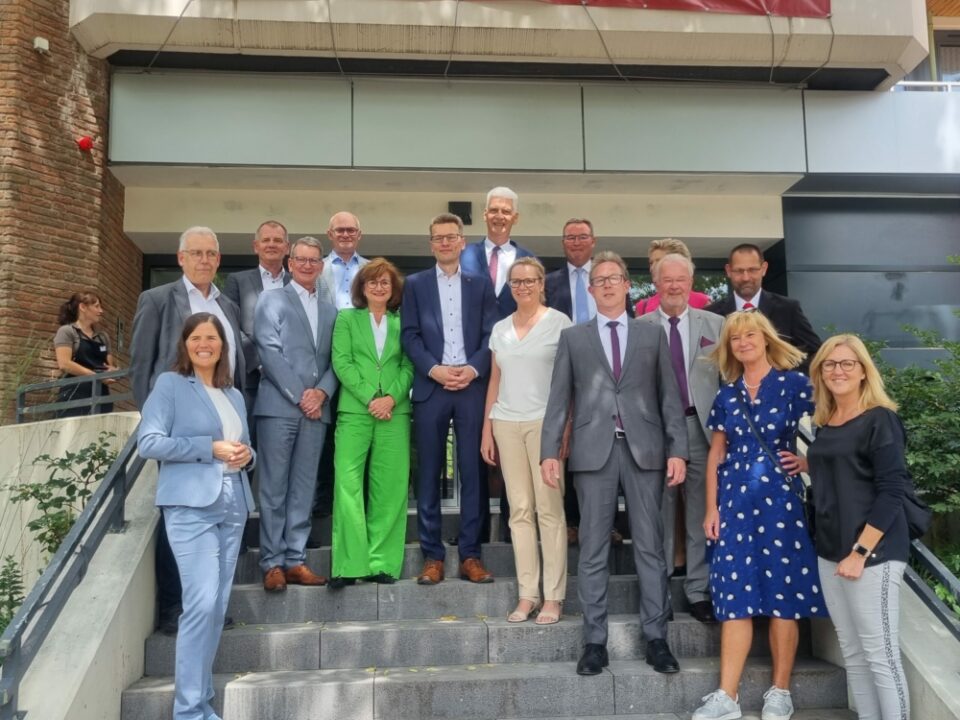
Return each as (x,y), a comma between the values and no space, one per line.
(781,354)
(538,269)
(872,392)
(670,246)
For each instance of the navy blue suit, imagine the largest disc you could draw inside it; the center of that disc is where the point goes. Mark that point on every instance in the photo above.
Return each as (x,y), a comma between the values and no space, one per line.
(433,407)
(474,260)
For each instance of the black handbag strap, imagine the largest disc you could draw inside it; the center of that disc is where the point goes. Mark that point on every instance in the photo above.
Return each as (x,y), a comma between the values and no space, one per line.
(766,448)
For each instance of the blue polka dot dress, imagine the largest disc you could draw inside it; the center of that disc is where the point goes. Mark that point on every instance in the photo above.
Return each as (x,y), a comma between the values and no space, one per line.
(763,562)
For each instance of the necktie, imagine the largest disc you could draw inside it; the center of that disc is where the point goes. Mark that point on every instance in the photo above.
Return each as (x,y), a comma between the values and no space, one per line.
(676,359)
(615,351)
(494,266)
(748,306)
(583,310)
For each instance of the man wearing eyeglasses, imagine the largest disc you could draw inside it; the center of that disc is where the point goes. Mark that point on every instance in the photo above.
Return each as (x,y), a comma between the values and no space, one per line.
(157,324)
(343,262)
(628,431)
(294,332)
(446,317)
(746,269)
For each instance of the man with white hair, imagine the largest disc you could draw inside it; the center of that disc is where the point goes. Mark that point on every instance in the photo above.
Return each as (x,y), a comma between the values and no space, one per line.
(157,324)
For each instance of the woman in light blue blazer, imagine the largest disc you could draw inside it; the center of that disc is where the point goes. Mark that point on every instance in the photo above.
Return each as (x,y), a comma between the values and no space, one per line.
(194,423)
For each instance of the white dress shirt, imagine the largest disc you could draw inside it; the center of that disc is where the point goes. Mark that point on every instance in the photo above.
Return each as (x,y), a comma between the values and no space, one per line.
(309,301)
(755,301)
(232,427)
(379,333)
(508,254)
(269,281)
(454,350)
(604,331)
(209,304)
(683,327)
(572,277)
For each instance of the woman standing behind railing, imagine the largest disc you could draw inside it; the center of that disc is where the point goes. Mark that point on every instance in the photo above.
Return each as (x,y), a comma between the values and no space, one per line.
(82,349)
(859,478)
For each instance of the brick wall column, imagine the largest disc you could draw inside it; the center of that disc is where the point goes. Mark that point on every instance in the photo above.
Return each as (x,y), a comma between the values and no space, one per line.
(61,210)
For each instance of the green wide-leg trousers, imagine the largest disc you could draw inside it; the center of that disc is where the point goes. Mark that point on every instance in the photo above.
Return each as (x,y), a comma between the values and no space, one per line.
(368,535)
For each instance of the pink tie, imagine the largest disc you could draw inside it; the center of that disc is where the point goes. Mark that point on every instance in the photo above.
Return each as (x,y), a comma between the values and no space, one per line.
(748,306)
(494,266)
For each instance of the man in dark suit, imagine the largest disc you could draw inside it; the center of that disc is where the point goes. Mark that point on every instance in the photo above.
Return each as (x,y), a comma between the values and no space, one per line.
(271,246)
(157,325)
(446,318)
(628,430)
(567,291)
(294,335)
(746,268)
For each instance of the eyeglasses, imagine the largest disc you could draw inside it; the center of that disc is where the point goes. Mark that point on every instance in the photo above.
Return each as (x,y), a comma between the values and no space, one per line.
(350,232)
(381,283)
(575,238)
(612,280)
(746,271)
(309,262)
(845,365)
(440,239)
(202,254)
(499,211)
(524,282)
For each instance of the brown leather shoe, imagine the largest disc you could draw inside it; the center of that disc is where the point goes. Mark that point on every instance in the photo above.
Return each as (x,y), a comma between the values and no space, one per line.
(432,573)
(302,575)
(473,570)
(573,536)
(274,581)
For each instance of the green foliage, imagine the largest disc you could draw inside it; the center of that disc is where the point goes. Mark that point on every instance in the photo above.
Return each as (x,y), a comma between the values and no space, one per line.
(19,365)
(11,591)
(63,495)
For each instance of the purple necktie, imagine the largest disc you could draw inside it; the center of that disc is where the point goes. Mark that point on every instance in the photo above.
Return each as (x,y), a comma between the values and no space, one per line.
(676,359)
(494,266)
(615,352)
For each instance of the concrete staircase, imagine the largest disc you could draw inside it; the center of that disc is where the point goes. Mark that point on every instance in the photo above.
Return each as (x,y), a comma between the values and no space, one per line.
(409,652)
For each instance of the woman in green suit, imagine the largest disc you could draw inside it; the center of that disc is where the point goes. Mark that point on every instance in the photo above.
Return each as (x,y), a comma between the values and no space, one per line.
(373,426)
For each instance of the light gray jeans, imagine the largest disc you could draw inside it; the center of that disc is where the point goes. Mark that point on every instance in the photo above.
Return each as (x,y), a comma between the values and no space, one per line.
(866,615)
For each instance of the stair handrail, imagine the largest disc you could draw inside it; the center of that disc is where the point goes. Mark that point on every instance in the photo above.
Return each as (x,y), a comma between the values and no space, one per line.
(924,557)
(93,402)
(104,513)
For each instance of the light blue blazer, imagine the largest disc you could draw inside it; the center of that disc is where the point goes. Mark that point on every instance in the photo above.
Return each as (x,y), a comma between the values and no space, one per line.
(177,427)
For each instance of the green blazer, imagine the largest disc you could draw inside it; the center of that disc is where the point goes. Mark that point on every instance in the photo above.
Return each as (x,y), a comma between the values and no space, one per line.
(364,376)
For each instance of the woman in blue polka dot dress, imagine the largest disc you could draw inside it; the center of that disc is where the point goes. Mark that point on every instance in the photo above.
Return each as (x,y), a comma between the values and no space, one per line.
(763,561)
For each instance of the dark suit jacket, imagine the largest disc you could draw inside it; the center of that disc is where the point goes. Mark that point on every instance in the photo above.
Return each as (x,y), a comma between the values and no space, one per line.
(244,288)
(157,325)
(787,317)
(421,332)
(474,260)
(557,290)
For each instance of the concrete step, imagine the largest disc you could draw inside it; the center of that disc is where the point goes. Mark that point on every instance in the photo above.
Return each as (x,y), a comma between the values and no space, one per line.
(481,692)
(496,556)
(449,641)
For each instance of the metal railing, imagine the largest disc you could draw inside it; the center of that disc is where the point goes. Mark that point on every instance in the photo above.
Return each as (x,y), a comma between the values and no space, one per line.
(25,413)
(926,86)
(104,513)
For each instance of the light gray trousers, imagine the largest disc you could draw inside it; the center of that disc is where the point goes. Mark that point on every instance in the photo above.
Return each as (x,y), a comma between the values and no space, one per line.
(866,615)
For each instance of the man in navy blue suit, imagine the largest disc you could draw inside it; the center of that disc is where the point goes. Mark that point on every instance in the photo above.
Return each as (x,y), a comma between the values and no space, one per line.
(447,315)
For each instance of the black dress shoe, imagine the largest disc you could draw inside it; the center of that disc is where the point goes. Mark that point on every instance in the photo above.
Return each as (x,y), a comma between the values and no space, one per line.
(338,583)
(702,611)
(228,622)
(593,660)
(660,657)
(381,578)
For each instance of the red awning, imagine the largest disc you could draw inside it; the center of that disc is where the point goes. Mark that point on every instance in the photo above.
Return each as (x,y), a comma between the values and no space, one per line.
(784,8)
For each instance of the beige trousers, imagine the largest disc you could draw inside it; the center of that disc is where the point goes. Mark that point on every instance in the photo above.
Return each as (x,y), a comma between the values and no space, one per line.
(518,444)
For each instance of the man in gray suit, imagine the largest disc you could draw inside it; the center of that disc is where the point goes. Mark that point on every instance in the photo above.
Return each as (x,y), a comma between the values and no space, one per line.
(343,262)
(161,312)
(628,430)
(692,335)
(294,332)
(271,247)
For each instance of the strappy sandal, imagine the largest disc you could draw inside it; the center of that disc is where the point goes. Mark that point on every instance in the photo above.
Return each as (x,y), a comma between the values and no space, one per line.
(519,616)
(548,618)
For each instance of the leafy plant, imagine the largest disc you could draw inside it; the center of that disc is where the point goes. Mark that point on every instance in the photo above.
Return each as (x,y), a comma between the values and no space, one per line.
(20,363)
(63,495)
(11,590)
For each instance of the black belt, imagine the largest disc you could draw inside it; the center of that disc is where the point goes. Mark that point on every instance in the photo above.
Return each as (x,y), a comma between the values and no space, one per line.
(619,434)
(690,411)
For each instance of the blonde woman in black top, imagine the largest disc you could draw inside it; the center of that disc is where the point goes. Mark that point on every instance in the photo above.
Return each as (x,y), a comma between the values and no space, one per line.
(859,478)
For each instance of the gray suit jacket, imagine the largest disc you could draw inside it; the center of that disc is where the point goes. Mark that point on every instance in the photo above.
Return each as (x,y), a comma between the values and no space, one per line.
(289,361)
(646,399)
(157,325)
(702,375)
(326,281)
(244,288)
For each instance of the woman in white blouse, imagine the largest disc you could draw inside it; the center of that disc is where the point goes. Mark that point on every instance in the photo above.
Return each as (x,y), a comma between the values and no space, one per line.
(523,347)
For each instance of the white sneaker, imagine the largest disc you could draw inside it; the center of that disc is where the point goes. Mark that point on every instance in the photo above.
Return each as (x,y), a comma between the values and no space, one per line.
(777,704)
(717,706)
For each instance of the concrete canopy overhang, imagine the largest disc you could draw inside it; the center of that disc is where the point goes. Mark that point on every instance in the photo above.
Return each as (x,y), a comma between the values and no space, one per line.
(888,36)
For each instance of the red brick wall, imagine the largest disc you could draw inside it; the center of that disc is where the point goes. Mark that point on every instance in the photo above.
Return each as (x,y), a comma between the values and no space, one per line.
(61,211)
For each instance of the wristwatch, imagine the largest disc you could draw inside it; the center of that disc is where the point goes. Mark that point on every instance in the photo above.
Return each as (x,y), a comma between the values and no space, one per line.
(862,551)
